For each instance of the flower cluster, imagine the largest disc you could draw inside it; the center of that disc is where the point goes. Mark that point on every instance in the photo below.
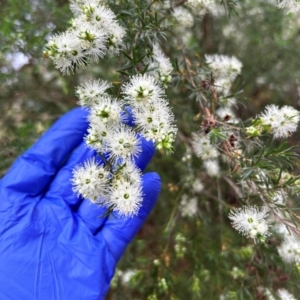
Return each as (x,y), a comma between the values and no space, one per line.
(281,122)
(90,180)
(119,190)
(225,69)
(207,152)
(180,245)
(160,66)
(188,207)
(94,32)
(152,115)
(250,221)
(116,182)
(126,277)
(292,5)
(183,17)
(289,249)
(203,148)
(282,294)
(219,136)
(201,7)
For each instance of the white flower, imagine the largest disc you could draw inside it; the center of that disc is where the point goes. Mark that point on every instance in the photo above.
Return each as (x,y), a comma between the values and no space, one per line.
(124,276)
(108,111)
(123,143)
(156,124)
(116,34)
(75,7)
(142,90)
(127,275)
(270,115)
(64,42)
(90,90)
(212,167)
(226,111)
(78,7)
(223,85)
(64,64)
(94,33)
(282,121)
(90,181)
(250,221)
(183,17)
(151,112)
(96,137)
(278,197)
(100,16)
(66,52)
(201,7)
(289,250)
(224,66)
(93,40)
(269,295)
(292,5)
(188,207)
(203,148)
(281,230)
(104,20)
(283,294)
(291,118)
(125,191)
(126,198)
(127,172)
(69,46)
(197,186)
(160,66)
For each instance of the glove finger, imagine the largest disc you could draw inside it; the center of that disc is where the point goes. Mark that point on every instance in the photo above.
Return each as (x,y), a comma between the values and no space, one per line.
(34,170)
(92,215)
(118,232)
(90,212)
(61,185)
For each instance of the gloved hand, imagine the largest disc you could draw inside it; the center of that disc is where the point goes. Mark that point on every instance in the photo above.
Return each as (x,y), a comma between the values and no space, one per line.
(53,245)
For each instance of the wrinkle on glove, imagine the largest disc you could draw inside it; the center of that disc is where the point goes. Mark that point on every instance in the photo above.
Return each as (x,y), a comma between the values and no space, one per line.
(53,245)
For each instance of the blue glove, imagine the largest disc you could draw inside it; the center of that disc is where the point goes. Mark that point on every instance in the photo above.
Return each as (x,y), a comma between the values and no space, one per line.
(53,245)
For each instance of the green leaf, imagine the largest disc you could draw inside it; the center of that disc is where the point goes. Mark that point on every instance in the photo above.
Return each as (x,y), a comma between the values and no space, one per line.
(247,173)
(127,55)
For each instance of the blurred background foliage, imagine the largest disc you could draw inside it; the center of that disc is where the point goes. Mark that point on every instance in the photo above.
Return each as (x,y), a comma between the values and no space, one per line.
(216,259)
